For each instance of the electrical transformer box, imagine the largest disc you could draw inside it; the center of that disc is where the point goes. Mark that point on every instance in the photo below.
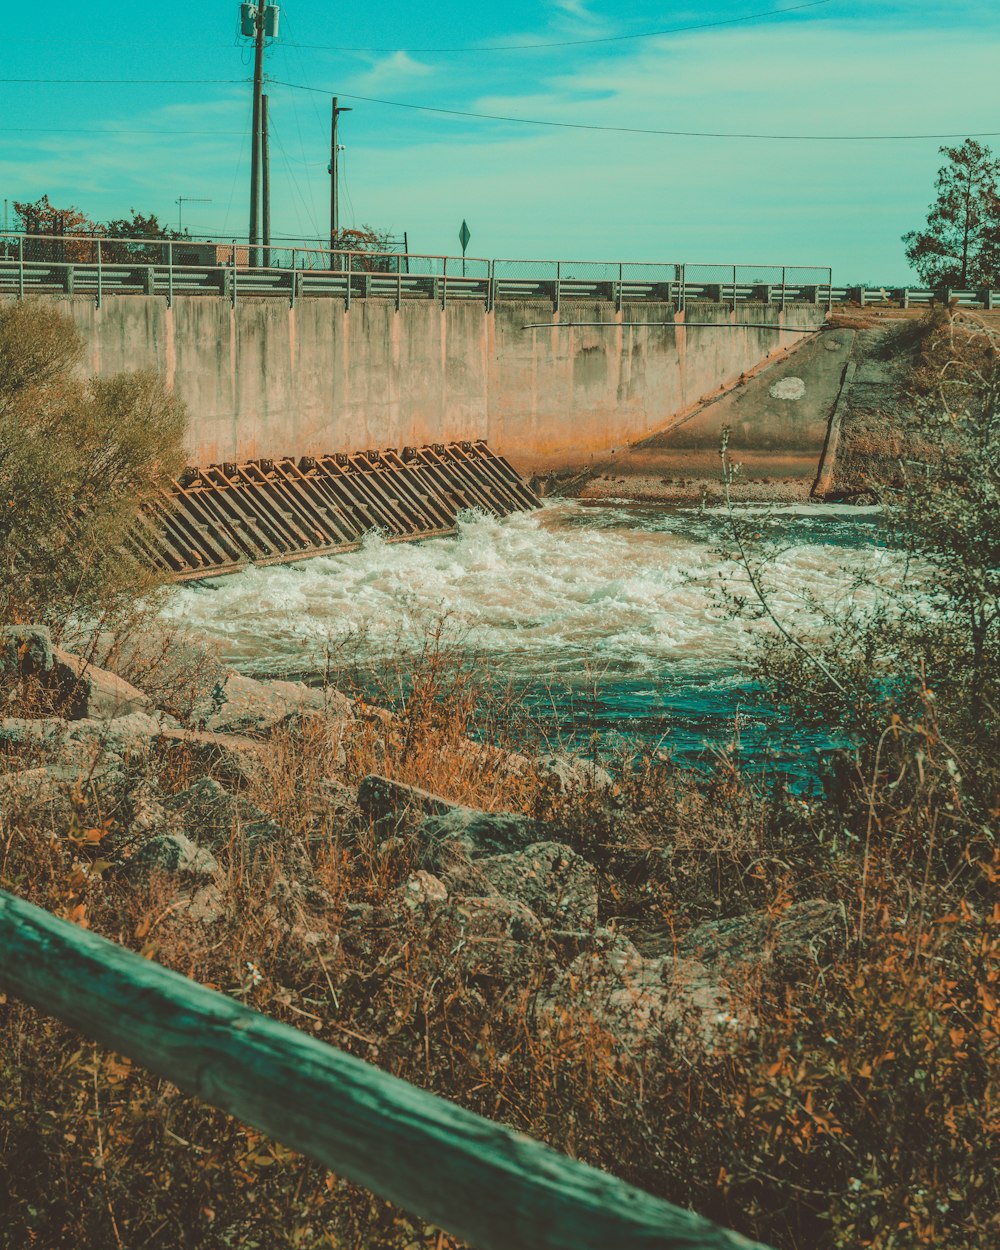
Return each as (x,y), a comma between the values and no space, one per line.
(248,20)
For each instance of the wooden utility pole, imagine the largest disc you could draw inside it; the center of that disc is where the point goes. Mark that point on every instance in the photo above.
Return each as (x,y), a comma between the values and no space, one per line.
(334,204)
(265,169)
(258,81)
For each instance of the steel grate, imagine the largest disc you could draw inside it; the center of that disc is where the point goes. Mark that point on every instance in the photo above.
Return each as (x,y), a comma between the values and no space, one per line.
(220,519)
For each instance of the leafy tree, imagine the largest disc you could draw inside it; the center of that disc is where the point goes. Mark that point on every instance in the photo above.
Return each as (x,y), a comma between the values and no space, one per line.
(136,226)
(960,244)
(42,217)
(76,460)
(375,244)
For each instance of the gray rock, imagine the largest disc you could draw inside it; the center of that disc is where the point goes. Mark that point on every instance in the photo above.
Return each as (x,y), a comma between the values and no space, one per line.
(380,796)
(558,885)
(477,833)
(206,905)
(789,940)
(571,774)
(212,815)
(636,1001)
(88,692)
(242,705)
(422,890)
(496,937)
(171,853)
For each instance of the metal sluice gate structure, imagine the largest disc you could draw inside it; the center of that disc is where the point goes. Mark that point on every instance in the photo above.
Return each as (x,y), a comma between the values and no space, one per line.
(222,518)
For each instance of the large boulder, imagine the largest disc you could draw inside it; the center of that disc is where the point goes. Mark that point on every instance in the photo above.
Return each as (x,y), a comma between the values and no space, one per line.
(209,814)
(241,705)
(571,774)
(447,827)
(236,758)
(174,854)
(557,884)
(85,691)
(789,940)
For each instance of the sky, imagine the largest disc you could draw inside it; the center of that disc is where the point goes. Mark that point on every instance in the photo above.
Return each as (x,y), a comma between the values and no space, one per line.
(830,68)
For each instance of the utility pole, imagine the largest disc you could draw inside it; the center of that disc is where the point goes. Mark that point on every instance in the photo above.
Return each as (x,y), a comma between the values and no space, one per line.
(334,152)
(258,81)
(265,170)
(180,202)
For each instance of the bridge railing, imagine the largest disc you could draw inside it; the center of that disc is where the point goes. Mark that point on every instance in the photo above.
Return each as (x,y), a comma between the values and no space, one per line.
(480,1181)
(96,266)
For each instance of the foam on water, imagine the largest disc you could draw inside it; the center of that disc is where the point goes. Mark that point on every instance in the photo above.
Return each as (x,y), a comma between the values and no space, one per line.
(566,590)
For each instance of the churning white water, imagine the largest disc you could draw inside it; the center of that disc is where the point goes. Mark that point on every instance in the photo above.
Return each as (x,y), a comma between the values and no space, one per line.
(620,597)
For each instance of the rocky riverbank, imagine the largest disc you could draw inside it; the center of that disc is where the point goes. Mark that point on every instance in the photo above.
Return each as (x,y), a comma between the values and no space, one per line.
(508,883)
(668,974)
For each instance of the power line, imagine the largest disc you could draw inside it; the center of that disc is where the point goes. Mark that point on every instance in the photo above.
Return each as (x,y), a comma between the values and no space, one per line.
(525,121)
(481,48)
(635,130)
(109,130)
(573,43)
(147,82)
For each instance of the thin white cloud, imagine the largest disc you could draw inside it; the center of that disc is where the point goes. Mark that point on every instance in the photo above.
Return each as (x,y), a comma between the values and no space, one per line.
(391,72)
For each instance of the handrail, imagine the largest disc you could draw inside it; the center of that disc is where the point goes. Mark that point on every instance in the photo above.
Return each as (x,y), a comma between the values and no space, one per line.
(481,1181)
(300,250)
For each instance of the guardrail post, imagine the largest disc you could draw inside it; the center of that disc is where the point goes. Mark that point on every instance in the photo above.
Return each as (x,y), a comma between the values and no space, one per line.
(98,273)
(783,288)
(69,279)
(618,296)
(444,285)
(682,293)
(829,289)
(491,288)
(399,288)
(20,266)
(170,274)
(558,299)
(233,290)
(734,288)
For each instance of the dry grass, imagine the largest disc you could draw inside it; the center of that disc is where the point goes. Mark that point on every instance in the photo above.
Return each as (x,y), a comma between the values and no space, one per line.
(855,1105)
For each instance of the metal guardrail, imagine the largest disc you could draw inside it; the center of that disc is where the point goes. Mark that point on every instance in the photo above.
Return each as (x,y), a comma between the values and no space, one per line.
(98,267)
(479,1180)
(920,297)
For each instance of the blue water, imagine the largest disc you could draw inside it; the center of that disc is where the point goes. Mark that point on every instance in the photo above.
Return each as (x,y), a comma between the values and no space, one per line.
(606,618)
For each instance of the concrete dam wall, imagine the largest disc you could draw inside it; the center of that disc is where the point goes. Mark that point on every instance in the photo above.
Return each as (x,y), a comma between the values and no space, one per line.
(544,388)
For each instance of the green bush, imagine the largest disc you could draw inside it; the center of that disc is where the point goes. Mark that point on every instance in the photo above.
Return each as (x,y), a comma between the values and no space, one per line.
(77,458)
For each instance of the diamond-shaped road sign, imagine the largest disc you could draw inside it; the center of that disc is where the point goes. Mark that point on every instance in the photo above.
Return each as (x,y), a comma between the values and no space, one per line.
(464,235)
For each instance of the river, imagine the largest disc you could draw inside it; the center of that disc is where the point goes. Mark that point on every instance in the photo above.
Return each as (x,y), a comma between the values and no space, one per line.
(607,618)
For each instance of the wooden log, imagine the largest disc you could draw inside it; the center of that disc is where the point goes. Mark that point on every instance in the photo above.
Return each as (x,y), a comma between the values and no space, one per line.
(482,1182)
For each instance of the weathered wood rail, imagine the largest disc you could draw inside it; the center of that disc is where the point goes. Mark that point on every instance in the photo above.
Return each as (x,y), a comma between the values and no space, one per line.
(480,1181)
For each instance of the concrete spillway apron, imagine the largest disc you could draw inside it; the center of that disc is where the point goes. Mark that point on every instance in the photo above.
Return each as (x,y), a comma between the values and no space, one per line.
(222,518)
